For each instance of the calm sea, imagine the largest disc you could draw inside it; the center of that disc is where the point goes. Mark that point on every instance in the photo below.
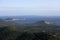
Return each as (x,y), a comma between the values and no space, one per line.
(32,19)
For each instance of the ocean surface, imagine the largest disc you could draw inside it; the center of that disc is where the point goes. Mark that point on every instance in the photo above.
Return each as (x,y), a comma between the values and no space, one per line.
(33,19)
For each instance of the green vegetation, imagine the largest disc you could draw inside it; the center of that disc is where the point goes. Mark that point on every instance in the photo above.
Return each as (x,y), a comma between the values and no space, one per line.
(35,31)
(7,33)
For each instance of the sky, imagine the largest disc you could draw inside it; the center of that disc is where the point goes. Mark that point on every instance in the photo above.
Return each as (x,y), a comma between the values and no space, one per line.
(29,7)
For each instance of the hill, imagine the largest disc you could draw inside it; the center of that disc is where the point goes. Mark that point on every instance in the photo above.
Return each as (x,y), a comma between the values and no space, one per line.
(41,30)
(35,27)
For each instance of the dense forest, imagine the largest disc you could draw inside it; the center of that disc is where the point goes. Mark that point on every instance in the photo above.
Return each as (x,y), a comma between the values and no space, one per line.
(8,33)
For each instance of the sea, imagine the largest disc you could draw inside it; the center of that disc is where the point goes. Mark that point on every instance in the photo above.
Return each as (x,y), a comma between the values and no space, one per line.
(33,19)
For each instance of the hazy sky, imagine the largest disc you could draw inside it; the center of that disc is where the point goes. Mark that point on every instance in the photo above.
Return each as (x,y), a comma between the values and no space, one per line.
(30,7)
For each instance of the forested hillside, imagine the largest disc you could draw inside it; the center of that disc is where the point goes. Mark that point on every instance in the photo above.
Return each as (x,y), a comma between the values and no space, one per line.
(7,33)
(35,31)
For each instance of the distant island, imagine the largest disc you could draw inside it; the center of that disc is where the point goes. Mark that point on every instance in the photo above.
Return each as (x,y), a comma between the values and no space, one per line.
(14,19)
